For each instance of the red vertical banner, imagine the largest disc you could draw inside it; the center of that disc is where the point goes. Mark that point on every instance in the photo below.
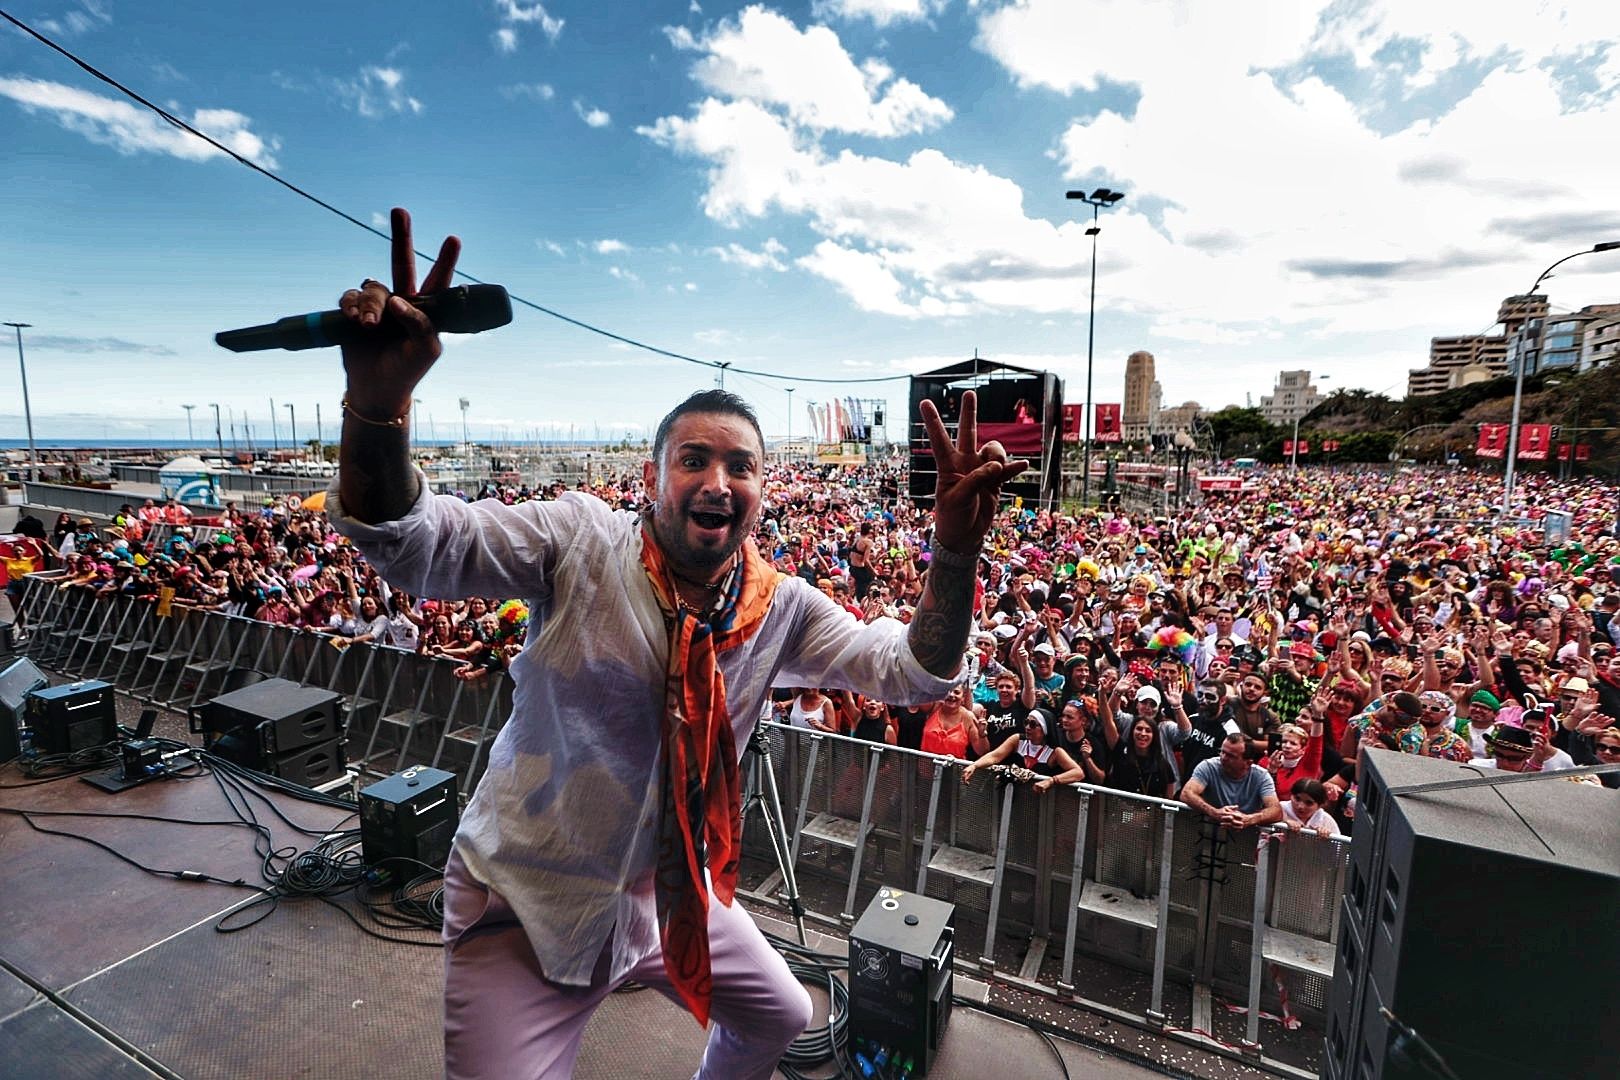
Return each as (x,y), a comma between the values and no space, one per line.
(1330,446)
(1073,417)
(1304,446)
(1493,439)
(1106,423)
(1535,440)
(1288,447)
(1563,451)
(1583,451)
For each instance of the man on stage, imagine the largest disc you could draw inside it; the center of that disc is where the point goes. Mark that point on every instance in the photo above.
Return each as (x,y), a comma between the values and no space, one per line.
(602,843)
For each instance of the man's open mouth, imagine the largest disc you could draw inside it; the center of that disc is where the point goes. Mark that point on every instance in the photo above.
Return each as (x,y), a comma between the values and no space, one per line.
(709,519)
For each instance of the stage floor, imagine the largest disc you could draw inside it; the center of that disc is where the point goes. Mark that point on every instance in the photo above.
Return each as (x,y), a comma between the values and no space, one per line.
(106,971)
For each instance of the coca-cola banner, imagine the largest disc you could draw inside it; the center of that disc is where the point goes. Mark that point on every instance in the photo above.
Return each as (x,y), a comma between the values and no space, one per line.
(1107,423)
(1073,417)
(1493,440)
(1535,440)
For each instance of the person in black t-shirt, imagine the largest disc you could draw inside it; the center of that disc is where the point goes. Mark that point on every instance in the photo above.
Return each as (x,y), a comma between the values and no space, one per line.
(1202,738)
(1005,715)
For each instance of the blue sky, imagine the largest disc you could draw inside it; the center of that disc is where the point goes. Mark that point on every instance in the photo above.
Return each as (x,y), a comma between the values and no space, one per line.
(843,188)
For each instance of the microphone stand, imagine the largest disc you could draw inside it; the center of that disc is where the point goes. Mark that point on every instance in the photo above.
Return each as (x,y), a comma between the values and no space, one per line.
(769,801)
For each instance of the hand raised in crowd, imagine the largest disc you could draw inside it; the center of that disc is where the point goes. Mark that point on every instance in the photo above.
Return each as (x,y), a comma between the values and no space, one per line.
(384,370)
(1595,724)
(967,486)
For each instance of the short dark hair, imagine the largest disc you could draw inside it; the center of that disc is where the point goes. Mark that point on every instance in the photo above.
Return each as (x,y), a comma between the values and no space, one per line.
(705,401)
(1312,789)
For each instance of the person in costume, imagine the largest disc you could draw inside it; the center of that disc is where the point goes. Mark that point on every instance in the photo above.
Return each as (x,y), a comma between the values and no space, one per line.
(602,843)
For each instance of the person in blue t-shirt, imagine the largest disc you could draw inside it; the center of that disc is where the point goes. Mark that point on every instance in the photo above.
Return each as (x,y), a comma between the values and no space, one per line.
(1231,789)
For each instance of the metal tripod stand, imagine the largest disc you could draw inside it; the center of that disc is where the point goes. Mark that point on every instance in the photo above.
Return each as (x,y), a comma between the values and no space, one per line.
(768,800)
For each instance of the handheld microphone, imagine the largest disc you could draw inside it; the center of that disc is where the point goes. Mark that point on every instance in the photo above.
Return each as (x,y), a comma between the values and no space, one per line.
(465,309)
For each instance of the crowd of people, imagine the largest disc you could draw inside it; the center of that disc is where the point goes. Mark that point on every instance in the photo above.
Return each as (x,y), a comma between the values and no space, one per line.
(1239,655)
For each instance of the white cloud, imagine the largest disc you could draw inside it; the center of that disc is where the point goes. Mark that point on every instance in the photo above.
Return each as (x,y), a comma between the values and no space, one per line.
(380,220)
(768,257)
(513,15)
(535,91)
(762,57)
(622,274)
(689,286)
(611,247)
(1268,212)
(130,129)
(553,247)
(881,12)
(593,117)
(377,91)
(89,15)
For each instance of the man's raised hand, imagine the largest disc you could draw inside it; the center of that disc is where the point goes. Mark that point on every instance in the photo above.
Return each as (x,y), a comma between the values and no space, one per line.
(384,371)
(967,488)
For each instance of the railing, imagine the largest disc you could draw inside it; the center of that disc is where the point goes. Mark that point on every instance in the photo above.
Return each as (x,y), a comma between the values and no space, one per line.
(1046,885)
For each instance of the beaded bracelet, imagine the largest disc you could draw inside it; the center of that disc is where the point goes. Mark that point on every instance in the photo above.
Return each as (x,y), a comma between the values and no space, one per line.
(396,422)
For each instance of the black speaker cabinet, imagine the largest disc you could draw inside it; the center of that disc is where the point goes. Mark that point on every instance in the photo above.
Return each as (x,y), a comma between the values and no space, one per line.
(408,821)
(311,766)
(72,717)
(281,715)
(900,976)
(18,679)
(1483,919)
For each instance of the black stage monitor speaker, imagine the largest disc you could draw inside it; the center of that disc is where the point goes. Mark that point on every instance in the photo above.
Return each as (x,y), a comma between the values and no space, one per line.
(1482,920)
(72,717)
(900,976)
(408,820)
(18,679)
(276,716)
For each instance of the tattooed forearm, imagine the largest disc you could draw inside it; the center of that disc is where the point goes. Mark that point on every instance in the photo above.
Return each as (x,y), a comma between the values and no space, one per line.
(375,479)
(939,629)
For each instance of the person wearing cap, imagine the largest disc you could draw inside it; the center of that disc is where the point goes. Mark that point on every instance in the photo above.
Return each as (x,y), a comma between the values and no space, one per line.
(1291,684)
(1047,680)
(1511,748)
(1475,726)
(1031,750)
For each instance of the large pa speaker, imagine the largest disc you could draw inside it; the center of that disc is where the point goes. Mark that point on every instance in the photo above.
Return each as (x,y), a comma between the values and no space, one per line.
(900,976)
(277,726)
(1479,921)
(282,715)
(18,679)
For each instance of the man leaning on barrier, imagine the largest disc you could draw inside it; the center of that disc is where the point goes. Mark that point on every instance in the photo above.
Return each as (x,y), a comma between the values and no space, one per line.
(1231,789)
(583,860)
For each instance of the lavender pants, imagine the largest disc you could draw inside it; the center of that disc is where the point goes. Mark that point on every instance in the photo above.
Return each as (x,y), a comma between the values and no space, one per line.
(504,1020)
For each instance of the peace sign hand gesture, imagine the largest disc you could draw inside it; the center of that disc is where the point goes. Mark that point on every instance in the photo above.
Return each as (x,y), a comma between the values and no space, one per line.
(384,370)
(968,484)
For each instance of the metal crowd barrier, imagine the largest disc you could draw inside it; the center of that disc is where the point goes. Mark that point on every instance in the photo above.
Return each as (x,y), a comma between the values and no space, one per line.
(402,708)
(1142,883)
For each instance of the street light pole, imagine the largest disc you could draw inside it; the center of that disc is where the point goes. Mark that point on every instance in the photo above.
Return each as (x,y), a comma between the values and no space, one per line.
(1293,461)
(1509,474)
(1096,200)
(28,414)
(190,435)
(275,437)
(292,423)
(219,433)
(790,423)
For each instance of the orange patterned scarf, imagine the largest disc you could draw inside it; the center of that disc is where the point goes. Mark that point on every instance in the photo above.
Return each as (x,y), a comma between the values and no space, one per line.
(702,802)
